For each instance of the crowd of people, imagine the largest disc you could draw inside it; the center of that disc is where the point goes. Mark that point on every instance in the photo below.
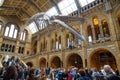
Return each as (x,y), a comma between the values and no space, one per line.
(16,70)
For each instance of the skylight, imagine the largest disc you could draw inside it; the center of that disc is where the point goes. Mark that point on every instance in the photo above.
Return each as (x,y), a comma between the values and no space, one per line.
(85,2)
(1,2)
(52,11)
(67,6)
(33,27)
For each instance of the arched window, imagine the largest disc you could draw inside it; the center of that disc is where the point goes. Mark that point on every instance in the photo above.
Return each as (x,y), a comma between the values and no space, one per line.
(59,42)
(3,47)
(105,28)
(96,27)
(13,48)
(21,50)
(67,40)
(9,48)
(23,35)
(1,24)
(70,40)
(6,47)
(11,31)
(89,33)
(56,42)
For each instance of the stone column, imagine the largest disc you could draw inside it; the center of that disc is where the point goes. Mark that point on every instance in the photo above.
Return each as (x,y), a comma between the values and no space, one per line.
(84,49)
(63,40)
(49,44)
(38,46)
(2,31)
(17,43)
(27,46)
(93,32)
(112,27)
(1,35)
(62,34)
(101,29)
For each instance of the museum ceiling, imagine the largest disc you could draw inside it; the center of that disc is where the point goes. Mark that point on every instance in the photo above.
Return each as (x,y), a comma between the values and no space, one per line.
(24,9)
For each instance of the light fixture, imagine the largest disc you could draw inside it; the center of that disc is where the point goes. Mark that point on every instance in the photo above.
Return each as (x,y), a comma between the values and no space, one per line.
(1,2)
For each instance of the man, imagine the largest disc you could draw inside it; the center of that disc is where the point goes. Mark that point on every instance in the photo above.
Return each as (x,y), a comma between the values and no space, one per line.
(110,74)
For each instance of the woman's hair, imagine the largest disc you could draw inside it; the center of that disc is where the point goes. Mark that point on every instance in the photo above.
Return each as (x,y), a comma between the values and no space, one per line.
(11,73)
(30,64)
(82,72)
(31,74)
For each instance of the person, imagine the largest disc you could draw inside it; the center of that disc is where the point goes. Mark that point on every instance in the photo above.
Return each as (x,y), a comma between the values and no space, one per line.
(11,73)
(109,74)
(95,74)
(31,75)
(117,72)
(83,75)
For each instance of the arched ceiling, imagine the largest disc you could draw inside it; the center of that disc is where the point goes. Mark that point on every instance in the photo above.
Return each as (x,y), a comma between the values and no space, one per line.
(24,9)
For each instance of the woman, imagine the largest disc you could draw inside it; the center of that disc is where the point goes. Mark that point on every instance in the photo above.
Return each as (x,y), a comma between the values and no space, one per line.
(11,73)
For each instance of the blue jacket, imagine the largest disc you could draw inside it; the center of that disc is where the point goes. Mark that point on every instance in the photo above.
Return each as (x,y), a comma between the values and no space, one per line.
(83,78)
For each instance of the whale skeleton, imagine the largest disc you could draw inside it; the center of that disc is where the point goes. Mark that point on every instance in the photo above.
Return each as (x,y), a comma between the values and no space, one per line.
(43,17)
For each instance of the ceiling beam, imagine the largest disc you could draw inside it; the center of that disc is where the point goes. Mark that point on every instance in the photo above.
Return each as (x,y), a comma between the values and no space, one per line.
(33,4)
(56,6)
(15,9)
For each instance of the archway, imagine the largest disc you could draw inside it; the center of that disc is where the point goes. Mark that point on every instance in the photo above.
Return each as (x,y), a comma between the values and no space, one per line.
(56,62)
(74,60)
(102,57)
(42,63)
(119,20)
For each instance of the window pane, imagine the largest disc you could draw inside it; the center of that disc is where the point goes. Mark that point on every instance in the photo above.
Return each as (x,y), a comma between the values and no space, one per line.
(33,27)
(52,11)
(15,33)
(24,35)
(11,30)
(89,39)
(67,6)
(6,31)
(21,35)
(85,2)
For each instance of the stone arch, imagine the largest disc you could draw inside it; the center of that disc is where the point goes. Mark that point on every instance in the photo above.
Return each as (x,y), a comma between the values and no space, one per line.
(42,63)
(56,62)
(74,60)
(117,11)
(16,25)
(101,16)
(117,14)
(100,57)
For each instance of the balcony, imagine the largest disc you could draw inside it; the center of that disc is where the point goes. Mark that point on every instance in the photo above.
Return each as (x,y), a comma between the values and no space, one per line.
(98,43)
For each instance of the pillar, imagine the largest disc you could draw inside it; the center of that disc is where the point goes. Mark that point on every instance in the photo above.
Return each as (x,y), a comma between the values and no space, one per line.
(93,32)
(101,29)
(38,46)
(17,43)
(84,49)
